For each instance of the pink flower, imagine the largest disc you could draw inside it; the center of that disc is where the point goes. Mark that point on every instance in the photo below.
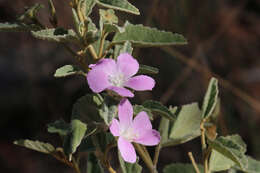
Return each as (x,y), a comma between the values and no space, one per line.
(109,74)
(138,130)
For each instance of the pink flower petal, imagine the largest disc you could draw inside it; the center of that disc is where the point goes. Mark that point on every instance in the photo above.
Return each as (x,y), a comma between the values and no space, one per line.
(127,150)
(142,122)
(127,64)
(97,80)
(150,138)
(107,65)
(114,127)
(121,91)
(125,113)
(140,83)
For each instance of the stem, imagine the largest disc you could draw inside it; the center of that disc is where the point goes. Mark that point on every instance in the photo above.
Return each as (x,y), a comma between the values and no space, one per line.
(101,46)
(193,162)
(146,158)
(92,51)
(204,146)
(156,154)
(75,165)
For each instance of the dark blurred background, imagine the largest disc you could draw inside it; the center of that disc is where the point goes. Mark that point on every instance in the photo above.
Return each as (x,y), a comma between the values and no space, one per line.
(224,41)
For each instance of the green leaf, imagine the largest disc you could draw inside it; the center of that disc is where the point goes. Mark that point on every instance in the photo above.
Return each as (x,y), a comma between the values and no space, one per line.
(253,166)
(17,27)
(87,6)
(36,145)
(231,147)
(108,109)
(30,13)
(125,48)
(187,125)
(157,107)
(74,138)
(93,164)
(56,35)
(143,36)
(218,162)
(122,5)
(129,167)
(87,108)
(210,99)
(140,108)
(180,168)
(145,69)
(68,70)
(60,127)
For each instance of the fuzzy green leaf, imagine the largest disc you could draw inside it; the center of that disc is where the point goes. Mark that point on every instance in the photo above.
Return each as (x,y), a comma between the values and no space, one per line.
(157,107)
(143,36)
(189,116)
(36,145)
(56,35)
(121,5)
(108,109)
(210,99)
(145,69)
(140,108)
(87,6)
(30,13)
(231,147)
(180,168)
(253,166)
(125,48)
(129,167)
(17,27)
(68,70)
(218,162)
(74,138)
(87,108)
(60,127)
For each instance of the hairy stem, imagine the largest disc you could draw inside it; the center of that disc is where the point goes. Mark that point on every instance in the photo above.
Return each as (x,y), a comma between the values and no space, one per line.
(146,158)
(193,162)
(75,165)
(101,46)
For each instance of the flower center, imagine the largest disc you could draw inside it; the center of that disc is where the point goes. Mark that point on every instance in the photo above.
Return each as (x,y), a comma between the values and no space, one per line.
(117,80)
(129,134)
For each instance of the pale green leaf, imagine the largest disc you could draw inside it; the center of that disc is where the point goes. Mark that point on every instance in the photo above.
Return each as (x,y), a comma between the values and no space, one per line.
(60,127)
(187,124)
(140,108)
(145,69)
(129,167)
(74,138)
(108,109)
(218,162)
(210,99)
(68,70)
(180,168)
(125,48)
(233,148)
(86,6)
(157,107)
(253,165)
(143,36)
(87,108)
(122,5)
(36,145)
(30,13)
(17,27)
(160,109)
(56,35)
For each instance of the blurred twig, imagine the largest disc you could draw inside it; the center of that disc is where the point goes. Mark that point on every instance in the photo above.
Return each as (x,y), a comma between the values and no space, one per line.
(255,104)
